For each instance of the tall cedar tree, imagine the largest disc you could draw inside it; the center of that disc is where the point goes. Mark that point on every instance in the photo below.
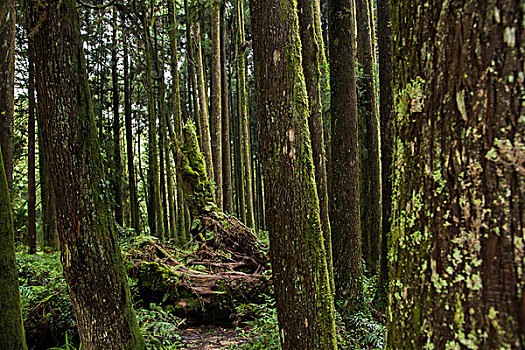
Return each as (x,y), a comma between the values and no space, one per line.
(243,116)
(370,157)
(176,134)
(312,72)
(227,191)
(154,205)
(133,198)
(344,177)
(7,76)
(216,97)
(302,288)
(12,329)
(459,176)
(203,100)
(384,32)
(91,257)
(31,164)
(117,158)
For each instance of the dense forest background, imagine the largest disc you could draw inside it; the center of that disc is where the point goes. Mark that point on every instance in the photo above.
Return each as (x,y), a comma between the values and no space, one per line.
(286,174)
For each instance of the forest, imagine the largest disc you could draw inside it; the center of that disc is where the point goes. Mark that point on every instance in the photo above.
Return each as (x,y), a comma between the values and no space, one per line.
(262,174)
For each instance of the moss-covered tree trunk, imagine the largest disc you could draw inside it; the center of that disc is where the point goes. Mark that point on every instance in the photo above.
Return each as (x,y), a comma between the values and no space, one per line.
(90,253)
(384,32)
(370,157)
(31,154)
(12,334)
(11,326)
(154,203)
(238,143)
(216,98)
(344,186)
(312,72)
(227,190)
(243,116)
(117,158)
(302,287)
(459,176)
(133,198)
(7,76)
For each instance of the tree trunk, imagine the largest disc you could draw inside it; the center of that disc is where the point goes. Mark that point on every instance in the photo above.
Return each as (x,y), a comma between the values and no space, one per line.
(205,119)
(370,162)
(385,113)
(227,191)
(243,114)
(31,166)
(91,257)
(154,203)
(300,273)
(7,76)
(12,334)
(344,188)
(216,98)
(134,201)
(177,120)
(12,329)
(312,74)
(459,177)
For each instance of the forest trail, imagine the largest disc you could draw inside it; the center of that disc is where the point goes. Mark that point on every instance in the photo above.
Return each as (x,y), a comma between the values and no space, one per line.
(209,338)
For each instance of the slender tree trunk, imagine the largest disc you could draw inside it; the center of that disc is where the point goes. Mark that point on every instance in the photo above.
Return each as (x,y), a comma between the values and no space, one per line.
(12,329)
(190,58)
(7,76)
(370,158)
(205,119)
(227,191)
(459,178)
(91,257)
(344,189)
(31,167)
(177,120)
(154,203)
(216,98)
(134,202)
(385,114)
(238,144)
(117,159)
(243,110)
(312,73)
(302,288)
(47,198)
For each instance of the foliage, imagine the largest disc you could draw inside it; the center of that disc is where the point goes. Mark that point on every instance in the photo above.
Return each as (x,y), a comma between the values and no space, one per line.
(159,327)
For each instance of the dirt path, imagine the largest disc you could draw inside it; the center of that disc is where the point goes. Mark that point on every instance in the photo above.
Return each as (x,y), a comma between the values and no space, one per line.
(209,338)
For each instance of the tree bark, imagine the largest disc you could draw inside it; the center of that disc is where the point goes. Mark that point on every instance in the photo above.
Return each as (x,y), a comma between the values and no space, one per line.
(344,188)
(91,257)
(128,80)
(216,98)
(384,33)
(370,158)
(459,176)
(117,159)
(300,274)
(31,166)
(7,76)
(312,74)
(154,203)
(243,114)
(227,190)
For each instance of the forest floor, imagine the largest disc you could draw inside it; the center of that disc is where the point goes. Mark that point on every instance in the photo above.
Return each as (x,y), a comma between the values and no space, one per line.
(210,338)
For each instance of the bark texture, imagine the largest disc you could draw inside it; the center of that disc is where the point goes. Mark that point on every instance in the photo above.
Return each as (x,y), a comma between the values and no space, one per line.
(302,288)
(459,176)
(7,76)
(370,156)
(227,190)
(344,186)
(216,98)
(31,164)
(91,257)
(384,33)
(312,72)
